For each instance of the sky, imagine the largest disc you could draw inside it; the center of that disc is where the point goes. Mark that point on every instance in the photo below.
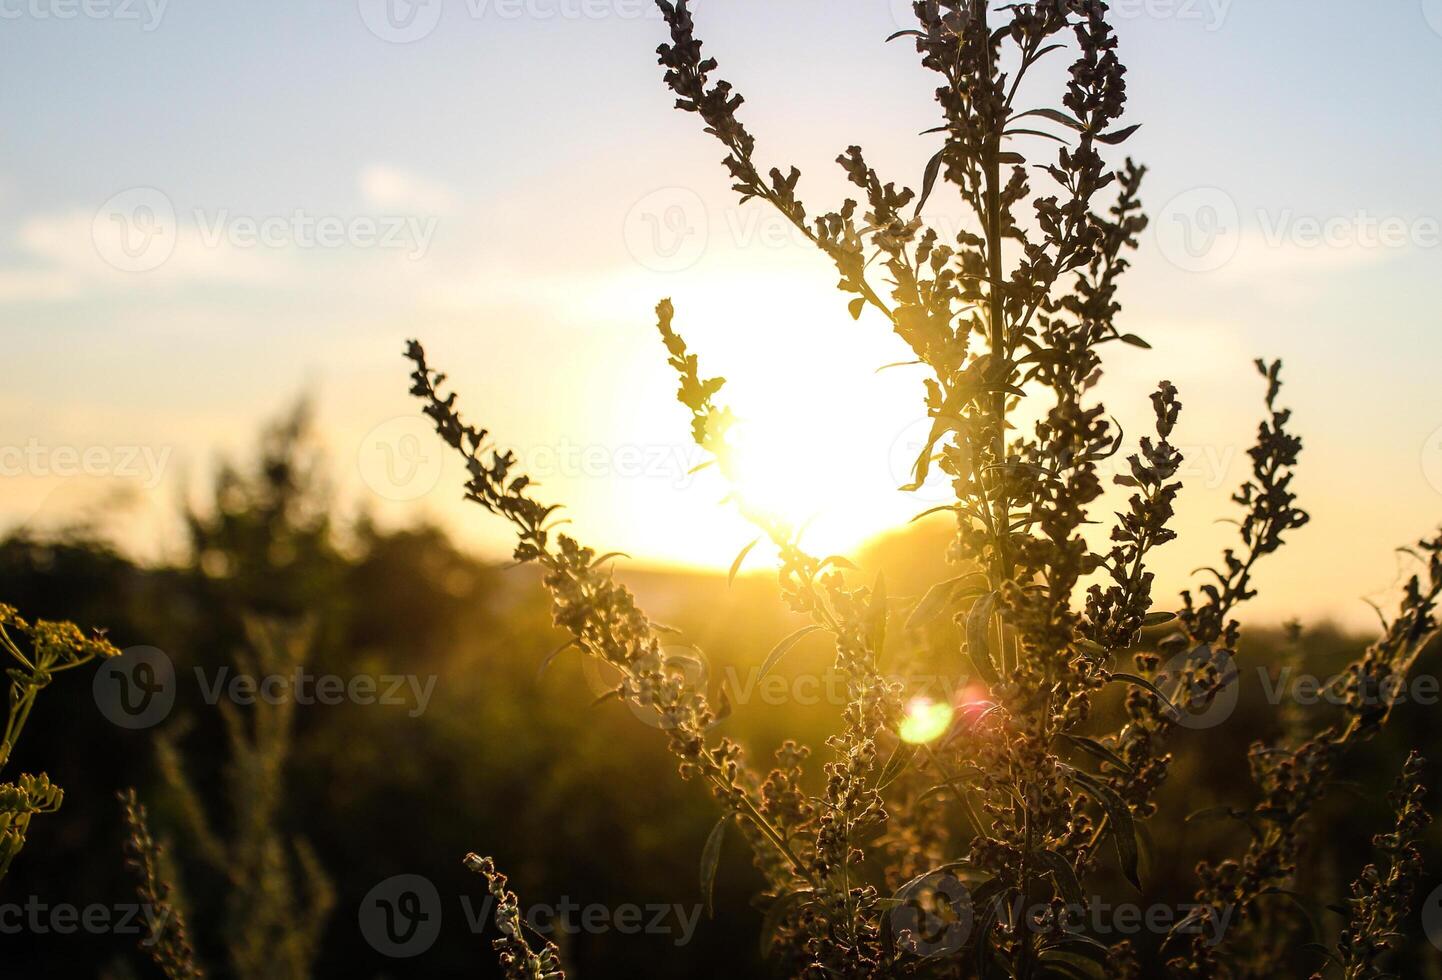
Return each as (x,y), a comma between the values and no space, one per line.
(209,210)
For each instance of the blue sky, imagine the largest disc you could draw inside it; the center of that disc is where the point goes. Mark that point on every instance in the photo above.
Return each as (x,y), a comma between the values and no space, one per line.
(522,156)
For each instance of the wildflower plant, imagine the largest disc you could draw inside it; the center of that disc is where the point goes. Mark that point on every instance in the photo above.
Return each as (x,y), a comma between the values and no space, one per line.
(1021,812)
(43,650)
(278,895)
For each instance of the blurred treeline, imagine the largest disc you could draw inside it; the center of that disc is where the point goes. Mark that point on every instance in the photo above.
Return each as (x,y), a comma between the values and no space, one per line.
(573,801)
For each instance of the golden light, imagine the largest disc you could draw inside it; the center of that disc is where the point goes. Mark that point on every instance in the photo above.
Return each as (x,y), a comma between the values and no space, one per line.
(926,720)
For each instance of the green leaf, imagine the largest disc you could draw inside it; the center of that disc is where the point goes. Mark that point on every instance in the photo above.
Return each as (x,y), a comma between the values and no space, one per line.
(1124,830)
(933,603)
(550,657)
(710,861)
(776,914)
(1021,131)
(1097,750)
(1151,688)
(1066,880)
(901,757)
(978,638)
(928,182)
(736,565)
(1158,618)
(780,649)
(934,510)
(1135,341)
(1118,137)
(1055,115)
(606,697)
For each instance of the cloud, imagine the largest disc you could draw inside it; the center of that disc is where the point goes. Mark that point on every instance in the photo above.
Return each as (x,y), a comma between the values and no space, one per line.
(398,190)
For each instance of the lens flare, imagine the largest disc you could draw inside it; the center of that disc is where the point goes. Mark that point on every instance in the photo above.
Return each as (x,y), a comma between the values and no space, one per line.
(926,721)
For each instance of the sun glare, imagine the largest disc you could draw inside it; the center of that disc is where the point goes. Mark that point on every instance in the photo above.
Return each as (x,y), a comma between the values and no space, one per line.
(925,721)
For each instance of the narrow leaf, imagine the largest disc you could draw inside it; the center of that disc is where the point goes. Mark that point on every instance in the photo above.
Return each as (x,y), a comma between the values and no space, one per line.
(736,565)
(710,860)
(1118,137)
(928,183)
(550,657)
(776,914)
(978,638)
(780,649)
(933,603)
(1097,750)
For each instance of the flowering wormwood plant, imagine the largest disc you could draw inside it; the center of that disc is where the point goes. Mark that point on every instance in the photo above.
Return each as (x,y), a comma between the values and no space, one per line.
(46,649)
(974,854)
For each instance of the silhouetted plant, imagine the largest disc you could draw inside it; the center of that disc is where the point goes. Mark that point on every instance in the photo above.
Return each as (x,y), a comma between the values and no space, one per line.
(48,649)
(1021,801)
